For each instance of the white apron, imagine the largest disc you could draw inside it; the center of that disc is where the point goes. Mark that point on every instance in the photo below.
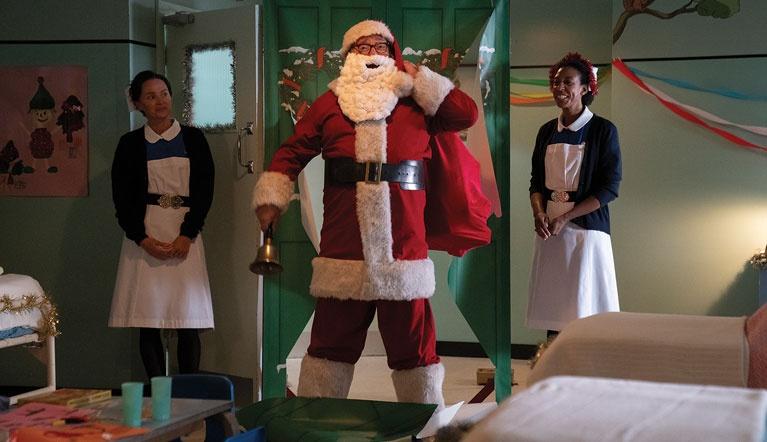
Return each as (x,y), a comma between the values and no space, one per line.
(154,293)
(573,274)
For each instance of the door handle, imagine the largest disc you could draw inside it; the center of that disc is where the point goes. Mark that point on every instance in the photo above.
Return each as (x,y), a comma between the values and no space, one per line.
(247,130)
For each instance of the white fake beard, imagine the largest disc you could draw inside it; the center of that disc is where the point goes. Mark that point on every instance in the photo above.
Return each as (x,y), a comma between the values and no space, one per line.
(370,93)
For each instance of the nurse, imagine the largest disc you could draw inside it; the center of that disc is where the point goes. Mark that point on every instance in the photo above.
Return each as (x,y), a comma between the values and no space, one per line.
(162,188)
(576,171)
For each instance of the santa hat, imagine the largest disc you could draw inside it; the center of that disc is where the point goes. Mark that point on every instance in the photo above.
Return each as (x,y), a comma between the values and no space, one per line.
(42,99)
(372,27)
(363,29)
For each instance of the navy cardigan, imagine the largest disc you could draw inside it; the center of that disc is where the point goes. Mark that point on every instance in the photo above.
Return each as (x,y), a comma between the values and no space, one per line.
(600,174)
(130,182)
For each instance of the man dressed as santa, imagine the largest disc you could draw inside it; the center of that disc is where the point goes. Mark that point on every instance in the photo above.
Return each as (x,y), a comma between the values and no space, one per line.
(372,128)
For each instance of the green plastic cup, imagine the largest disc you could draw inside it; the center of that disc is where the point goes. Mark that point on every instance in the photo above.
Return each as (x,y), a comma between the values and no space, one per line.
(161,398)
(132,398)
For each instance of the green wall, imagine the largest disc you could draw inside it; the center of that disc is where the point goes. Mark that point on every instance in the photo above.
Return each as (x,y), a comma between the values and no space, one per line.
(71,245)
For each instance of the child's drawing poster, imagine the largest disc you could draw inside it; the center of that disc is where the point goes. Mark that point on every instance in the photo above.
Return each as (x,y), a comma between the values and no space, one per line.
(44,130)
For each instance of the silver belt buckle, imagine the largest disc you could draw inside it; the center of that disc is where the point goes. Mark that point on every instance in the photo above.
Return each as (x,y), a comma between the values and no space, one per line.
(560,196)
(167,200)
(378,171)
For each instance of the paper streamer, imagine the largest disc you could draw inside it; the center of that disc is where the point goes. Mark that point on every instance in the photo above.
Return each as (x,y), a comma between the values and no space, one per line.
(542,98)
(693,87)
(685,112)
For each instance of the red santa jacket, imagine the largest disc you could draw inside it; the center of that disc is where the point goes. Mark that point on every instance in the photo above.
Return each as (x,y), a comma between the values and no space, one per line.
(373,241)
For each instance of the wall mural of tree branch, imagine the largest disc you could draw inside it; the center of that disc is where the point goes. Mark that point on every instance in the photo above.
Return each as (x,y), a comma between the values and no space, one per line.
(706,8)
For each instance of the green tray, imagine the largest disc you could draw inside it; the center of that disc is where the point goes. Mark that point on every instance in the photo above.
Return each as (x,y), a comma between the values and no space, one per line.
(324,419)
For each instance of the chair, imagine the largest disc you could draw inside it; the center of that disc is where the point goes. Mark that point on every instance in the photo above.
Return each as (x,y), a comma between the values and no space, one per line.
(208,386)
(255,435)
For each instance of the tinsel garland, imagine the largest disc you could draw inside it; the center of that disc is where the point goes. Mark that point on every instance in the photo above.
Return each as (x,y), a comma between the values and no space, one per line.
(542,347)
(48,325)
(188,85)
(759,260)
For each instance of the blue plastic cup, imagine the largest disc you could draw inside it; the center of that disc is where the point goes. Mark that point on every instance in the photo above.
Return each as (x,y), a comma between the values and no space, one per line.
(161,398)
(132,399)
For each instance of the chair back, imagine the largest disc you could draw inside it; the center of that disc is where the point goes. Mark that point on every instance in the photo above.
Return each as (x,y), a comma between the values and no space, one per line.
(202,386)
(206,386)
(257,434)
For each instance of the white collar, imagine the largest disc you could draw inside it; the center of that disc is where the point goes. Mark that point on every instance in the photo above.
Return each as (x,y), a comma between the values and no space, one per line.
(168,135)
(578,123)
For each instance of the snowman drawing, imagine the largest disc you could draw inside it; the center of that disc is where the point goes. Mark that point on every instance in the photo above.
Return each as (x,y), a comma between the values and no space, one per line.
(41,108)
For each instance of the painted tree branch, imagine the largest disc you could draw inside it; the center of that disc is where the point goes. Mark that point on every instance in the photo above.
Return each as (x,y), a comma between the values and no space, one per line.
(635,7)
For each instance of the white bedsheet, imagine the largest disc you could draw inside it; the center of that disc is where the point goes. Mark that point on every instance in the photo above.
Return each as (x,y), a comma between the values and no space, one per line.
(706,350)
(17,286)
(574,409)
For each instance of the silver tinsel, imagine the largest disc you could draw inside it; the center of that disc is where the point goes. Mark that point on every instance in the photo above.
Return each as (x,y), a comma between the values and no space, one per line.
(759,261)
(49,321)
(188,86)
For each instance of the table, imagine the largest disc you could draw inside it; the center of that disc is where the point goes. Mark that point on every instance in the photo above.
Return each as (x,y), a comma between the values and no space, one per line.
(185,416)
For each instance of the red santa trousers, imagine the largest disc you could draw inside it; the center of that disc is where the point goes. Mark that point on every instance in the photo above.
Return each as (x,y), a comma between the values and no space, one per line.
(407,328)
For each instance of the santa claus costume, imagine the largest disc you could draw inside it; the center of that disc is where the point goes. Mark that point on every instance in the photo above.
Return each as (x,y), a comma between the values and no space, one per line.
(373,128)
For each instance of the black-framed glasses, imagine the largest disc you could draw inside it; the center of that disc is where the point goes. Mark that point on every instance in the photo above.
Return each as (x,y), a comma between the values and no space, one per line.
(380,48)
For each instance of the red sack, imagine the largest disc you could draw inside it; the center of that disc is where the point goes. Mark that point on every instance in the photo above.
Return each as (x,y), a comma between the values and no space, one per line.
(456,209)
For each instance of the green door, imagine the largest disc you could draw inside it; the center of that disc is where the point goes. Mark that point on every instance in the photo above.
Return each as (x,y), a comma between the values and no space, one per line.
(298,36)
(479,281)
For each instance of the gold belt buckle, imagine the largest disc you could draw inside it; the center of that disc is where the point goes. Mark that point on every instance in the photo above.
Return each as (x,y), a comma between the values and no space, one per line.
(378,171)
(168,200)
(560,196)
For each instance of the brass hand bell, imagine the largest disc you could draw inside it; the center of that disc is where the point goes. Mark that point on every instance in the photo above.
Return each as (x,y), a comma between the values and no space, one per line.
(267,260)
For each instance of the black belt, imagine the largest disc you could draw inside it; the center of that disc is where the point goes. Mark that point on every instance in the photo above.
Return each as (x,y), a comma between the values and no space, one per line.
(168,200)
(409,174)
(562,196)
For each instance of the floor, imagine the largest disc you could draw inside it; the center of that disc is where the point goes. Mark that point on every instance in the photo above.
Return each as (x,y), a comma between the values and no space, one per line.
(372,378)
(372,381)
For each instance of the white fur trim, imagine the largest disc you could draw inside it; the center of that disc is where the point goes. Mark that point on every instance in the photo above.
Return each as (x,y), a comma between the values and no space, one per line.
(338,278)
(273,188)
(370,141)
(363,29)
(420,385)
(324,378)
(402,84)
(374,219)
(430,89)
(401,280)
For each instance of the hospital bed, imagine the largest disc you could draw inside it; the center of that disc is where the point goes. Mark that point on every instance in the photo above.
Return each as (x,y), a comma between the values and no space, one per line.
(589,409)
(687,349)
